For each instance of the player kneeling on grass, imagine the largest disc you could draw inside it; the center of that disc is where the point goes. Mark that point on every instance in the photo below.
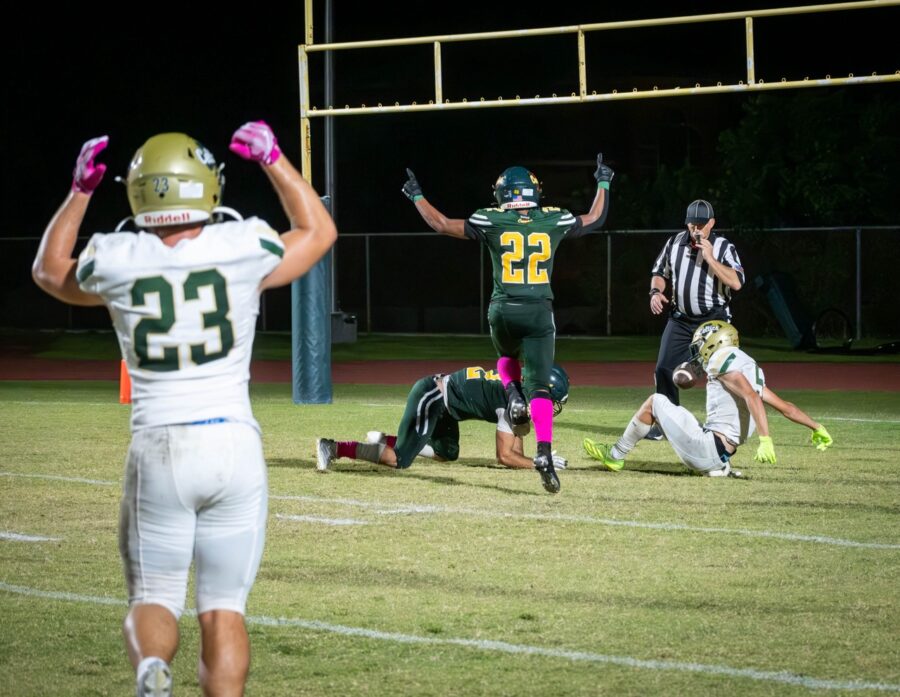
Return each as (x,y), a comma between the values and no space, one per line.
(736,392)
(430,425)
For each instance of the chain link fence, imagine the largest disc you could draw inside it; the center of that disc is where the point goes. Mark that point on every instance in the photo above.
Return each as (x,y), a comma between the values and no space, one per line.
(428,283)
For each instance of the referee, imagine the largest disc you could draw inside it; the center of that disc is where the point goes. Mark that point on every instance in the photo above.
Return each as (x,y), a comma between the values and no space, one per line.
(703,269)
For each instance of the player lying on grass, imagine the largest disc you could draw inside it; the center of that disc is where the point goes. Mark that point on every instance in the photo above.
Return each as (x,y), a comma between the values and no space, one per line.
(736,395)
(430,425)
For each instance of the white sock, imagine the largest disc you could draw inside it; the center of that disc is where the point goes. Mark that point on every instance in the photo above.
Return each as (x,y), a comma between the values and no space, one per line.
(635,432)
(426,451)
(145,664)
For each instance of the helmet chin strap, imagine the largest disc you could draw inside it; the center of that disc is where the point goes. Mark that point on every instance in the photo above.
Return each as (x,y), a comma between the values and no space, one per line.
(225,210)
(123,222)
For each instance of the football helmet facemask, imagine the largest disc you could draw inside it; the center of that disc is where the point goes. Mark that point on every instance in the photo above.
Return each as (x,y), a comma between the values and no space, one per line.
(711,336)
(516,187)
(173,180)
(559,388)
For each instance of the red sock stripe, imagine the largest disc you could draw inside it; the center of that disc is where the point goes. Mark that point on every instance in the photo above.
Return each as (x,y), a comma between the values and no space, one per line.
(347,448)
(391,441)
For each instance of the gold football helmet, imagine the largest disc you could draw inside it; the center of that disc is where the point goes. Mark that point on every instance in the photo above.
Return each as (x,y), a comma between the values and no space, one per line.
(173,180)
(711,336)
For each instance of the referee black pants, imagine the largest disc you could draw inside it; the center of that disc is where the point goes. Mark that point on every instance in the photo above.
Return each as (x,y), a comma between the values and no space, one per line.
(675,348)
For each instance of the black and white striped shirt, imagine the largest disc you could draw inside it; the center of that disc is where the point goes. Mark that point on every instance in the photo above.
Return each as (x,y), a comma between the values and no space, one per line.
(695,289)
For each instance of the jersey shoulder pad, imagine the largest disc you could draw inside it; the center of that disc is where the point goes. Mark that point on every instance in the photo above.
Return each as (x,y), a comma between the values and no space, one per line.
(723,360)
(557,216)
(487,217)
(253,232)
(106,253)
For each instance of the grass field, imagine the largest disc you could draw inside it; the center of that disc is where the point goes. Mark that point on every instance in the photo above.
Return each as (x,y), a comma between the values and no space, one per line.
(468,579)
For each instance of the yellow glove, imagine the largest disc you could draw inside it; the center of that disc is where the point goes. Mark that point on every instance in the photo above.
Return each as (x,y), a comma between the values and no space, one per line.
(766,450)
(821,438)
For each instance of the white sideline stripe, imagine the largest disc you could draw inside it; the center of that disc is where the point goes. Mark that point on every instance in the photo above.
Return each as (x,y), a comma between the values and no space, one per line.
(782,677)
(80,480)
(19,537)
(866,421)
(394,509)
(320,519)
(34,403)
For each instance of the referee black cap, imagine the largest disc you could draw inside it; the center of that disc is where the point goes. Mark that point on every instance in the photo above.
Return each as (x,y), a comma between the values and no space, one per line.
(699,212)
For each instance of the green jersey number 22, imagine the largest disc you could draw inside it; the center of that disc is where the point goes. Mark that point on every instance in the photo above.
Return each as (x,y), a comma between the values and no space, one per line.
(521,262)
(217,318)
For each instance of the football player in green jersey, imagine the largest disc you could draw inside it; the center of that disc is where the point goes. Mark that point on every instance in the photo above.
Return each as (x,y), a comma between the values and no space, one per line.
(430,425)
(522,237)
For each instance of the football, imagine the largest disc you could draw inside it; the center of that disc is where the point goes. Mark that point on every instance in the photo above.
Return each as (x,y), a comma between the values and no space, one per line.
(683,376)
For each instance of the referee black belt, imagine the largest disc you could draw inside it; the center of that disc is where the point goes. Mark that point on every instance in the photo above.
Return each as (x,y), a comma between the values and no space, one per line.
(714,313)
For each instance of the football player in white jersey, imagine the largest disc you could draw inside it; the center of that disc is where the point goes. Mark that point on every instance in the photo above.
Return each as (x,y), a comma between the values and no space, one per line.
(183,293)
(736,395)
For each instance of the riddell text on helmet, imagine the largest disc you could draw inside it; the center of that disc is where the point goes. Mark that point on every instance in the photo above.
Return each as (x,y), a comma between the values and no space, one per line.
(166,218)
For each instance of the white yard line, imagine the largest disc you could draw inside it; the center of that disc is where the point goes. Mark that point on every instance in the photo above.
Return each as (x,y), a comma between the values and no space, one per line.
(781,676)
(397,509)
(19,537)
(321,520)
(43,403)
(419,509)
(864,421)
(78,480)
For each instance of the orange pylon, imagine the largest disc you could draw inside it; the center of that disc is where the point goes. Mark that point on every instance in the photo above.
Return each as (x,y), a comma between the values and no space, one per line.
(124,384)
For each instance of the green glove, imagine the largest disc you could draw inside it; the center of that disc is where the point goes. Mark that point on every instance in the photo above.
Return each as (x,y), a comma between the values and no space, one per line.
(821,438)
(766,450)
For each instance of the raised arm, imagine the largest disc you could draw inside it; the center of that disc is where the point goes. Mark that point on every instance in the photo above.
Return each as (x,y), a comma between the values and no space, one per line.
(437,221)
(312,230)
(596,216)
(54,266)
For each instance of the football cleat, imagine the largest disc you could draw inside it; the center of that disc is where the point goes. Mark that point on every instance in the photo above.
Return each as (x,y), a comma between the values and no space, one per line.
(516,405)
(156,680)
(654,433)
(601,452)
(725,471)
(544,467)
(326,452)
(376,437)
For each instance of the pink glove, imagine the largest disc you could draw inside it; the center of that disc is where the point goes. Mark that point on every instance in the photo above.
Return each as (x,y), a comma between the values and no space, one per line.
(88,174)
(255,141)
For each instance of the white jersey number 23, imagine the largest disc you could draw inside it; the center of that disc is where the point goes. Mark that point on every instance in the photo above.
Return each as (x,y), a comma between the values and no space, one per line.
(217,318)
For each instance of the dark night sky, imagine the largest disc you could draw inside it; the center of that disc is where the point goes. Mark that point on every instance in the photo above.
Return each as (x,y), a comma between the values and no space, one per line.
(205,73)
